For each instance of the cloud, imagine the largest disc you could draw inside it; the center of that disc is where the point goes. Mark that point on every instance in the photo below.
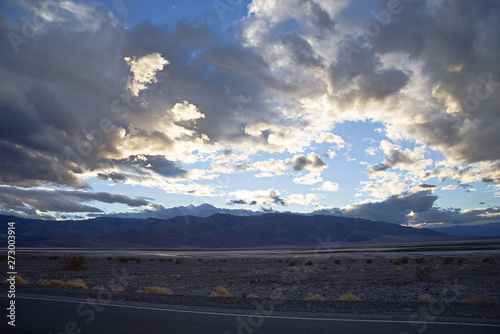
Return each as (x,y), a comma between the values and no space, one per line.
(60,200)
(258,197)
(311,162)
(88,95)
(329,186)
(301,50)
(144,71)
(310,178)
(402,159)
(393,209)
(114,176)
(441,217)
(425,185)
(156,163)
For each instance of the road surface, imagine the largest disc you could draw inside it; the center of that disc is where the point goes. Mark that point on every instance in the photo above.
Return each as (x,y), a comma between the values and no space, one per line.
(65,316)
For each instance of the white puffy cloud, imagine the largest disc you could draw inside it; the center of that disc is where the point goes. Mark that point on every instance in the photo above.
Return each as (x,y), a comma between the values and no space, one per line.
(144,71)
(329,186)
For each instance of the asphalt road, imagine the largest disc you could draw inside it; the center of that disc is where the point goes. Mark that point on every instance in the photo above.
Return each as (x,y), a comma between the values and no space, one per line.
(58,316)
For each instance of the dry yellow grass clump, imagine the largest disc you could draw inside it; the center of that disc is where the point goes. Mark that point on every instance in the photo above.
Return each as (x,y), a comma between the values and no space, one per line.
(99,288)
(158,290)
(251,295)
(425,298)
(20,280)
(314,296)
(77,283)
(349,297)
(52,282)
(221,292)
(116,288)
(475,299)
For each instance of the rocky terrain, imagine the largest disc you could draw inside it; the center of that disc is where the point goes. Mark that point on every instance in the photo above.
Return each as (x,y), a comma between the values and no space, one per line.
(406,287)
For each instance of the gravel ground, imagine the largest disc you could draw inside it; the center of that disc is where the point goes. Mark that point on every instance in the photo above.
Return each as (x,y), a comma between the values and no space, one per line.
(386,286)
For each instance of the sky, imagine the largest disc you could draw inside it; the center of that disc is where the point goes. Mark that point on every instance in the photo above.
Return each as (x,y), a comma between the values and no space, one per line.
(383,110)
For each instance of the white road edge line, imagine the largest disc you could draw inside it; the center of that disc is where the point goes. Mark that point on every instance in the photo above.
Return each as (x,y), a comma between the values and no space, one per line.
(264,316)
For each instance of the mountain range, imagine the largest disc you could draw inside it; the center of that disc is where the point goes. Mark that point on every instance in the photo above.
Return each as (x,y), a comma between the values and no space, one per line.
(218,230)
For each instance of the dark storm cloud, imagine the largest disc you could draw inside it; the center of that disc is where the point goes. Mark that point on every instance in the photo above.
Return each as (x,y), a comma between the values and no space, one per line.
(64,110)
(301,50)
(364,68)
(457,43)
(320,18)
(61,200)
(393,209)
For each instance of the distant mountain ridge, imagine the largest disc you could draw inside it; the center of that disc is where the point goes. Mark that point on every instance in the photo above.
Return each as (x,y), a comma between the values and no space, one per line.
(484,230)
(215,231)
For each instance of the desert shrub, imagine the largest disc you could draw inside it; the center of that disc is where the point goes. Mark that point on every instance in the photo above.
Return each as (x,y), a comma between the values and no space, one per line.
(423,272)
(425,298)
(310,263)
(109,258)
(75,263)
(460,260)
(123,259)
(475,299)
(337,261)
(352,260)
(53,257)
(251,295)
(401,261)
(420,260)
(116,288)
(158,290)
(220,292)
(314,296)
(448,260)
(349,297)
(292,263)
(369,261)
(20,281)
(323,267)
(178,261)
(488,260)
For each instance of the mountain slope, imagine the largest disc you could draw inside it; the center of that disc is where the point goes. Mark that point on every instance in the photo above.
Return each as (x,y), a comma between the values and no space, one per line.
(485,230)
(219,230)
